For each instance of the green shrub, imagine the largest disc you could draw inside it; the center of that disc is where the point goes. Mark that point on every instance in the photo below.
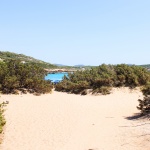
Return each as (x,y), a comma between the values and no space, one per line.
(2,120)
(146,90)
(76,88)
(103,90)
(103,77)
(144,104)
(15,75)
(9,84)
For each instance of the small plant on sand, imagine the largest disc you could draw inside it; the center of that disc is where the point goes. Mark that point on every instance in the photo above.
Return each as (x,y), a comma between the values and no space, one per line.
(104,90)
(2,120)
(144,104)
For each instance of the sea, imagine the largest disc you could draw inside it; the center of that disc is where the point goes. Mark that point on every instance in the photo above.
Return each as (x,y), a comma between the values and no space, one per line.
(56,77)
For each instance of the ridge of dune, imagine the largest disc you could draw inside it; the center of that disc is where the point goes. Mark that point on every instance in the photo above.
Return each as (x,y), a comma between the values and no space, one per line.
(62,121)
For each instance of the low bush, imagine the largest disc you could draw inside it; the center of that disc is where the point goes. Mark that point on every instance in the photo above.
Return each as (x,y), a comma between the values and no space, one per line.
(103,90)
(102,78)
(144,104)
(15,76)
(146,90)
(2,120)
(76,88)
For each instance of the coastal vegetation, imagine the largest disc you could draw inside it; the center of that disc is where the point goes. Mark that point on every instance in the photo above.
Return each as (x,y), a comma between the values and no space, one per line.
(102,78)
(6,56)
(2,119)
(144,104)
(26,74)
(26,77)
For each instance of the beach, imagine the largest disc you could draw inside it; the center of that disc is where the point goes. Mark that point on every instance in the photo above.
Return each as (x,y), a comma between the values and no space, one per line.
(61,121)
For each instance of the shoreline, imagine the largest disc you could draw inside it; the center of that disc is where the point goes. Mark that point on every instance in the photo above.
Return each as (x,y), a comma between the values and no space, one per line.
(59,70)
(68,121)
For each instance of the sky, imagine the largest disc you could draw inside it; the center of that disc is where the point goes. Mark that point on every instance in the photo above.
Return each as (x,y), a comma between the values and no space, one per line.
(72,32)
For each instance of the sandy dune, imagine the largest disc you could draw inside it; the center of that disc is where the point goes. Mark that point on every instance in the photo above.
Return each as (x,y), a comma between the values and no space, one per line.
(61,121)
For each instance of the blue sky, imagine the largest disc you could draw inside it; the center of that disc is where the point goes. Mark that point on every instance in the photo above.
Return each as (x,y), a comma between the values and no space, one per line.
(70,32)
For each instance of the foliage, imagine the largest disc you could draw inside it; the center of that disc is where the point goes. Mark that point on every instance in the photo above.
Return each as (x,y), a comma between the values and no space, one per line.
(102,78)
(103,89)
(144,104)
(2,120)
(146,90)
(15,75)
(6,56)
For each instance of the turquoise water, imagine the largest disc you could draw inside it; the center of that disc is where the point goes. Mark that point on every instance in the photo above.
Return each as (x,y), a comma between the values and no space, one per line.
(56,77)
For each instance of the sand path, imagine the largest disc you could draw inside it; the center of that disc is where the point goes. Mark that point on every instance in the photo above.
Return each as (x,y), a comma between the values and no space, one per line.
(61,121)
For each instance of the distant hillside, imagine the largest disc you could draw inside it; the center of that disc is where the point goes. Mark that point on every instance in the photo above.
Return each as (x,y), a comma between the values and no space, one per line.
(61,65)
(25,59)
(80,65)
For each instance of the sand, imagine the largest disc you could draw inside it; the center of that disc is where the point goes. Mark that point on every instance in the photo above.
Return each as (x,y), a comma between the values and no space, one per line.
(61,121)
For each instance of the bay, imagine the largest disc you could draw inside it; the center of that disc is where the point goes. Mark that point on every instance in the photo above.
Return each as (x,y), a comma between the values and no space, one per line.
(56,77)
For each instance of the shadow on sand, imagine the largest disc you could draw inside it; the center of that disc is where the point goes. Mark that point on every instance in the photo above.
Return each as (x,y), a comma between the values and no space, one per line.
(136,116)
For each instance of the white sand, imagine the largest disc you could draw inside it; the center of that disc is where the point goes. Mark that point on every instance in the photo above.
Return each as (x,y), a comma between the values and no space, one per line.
(61,121)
